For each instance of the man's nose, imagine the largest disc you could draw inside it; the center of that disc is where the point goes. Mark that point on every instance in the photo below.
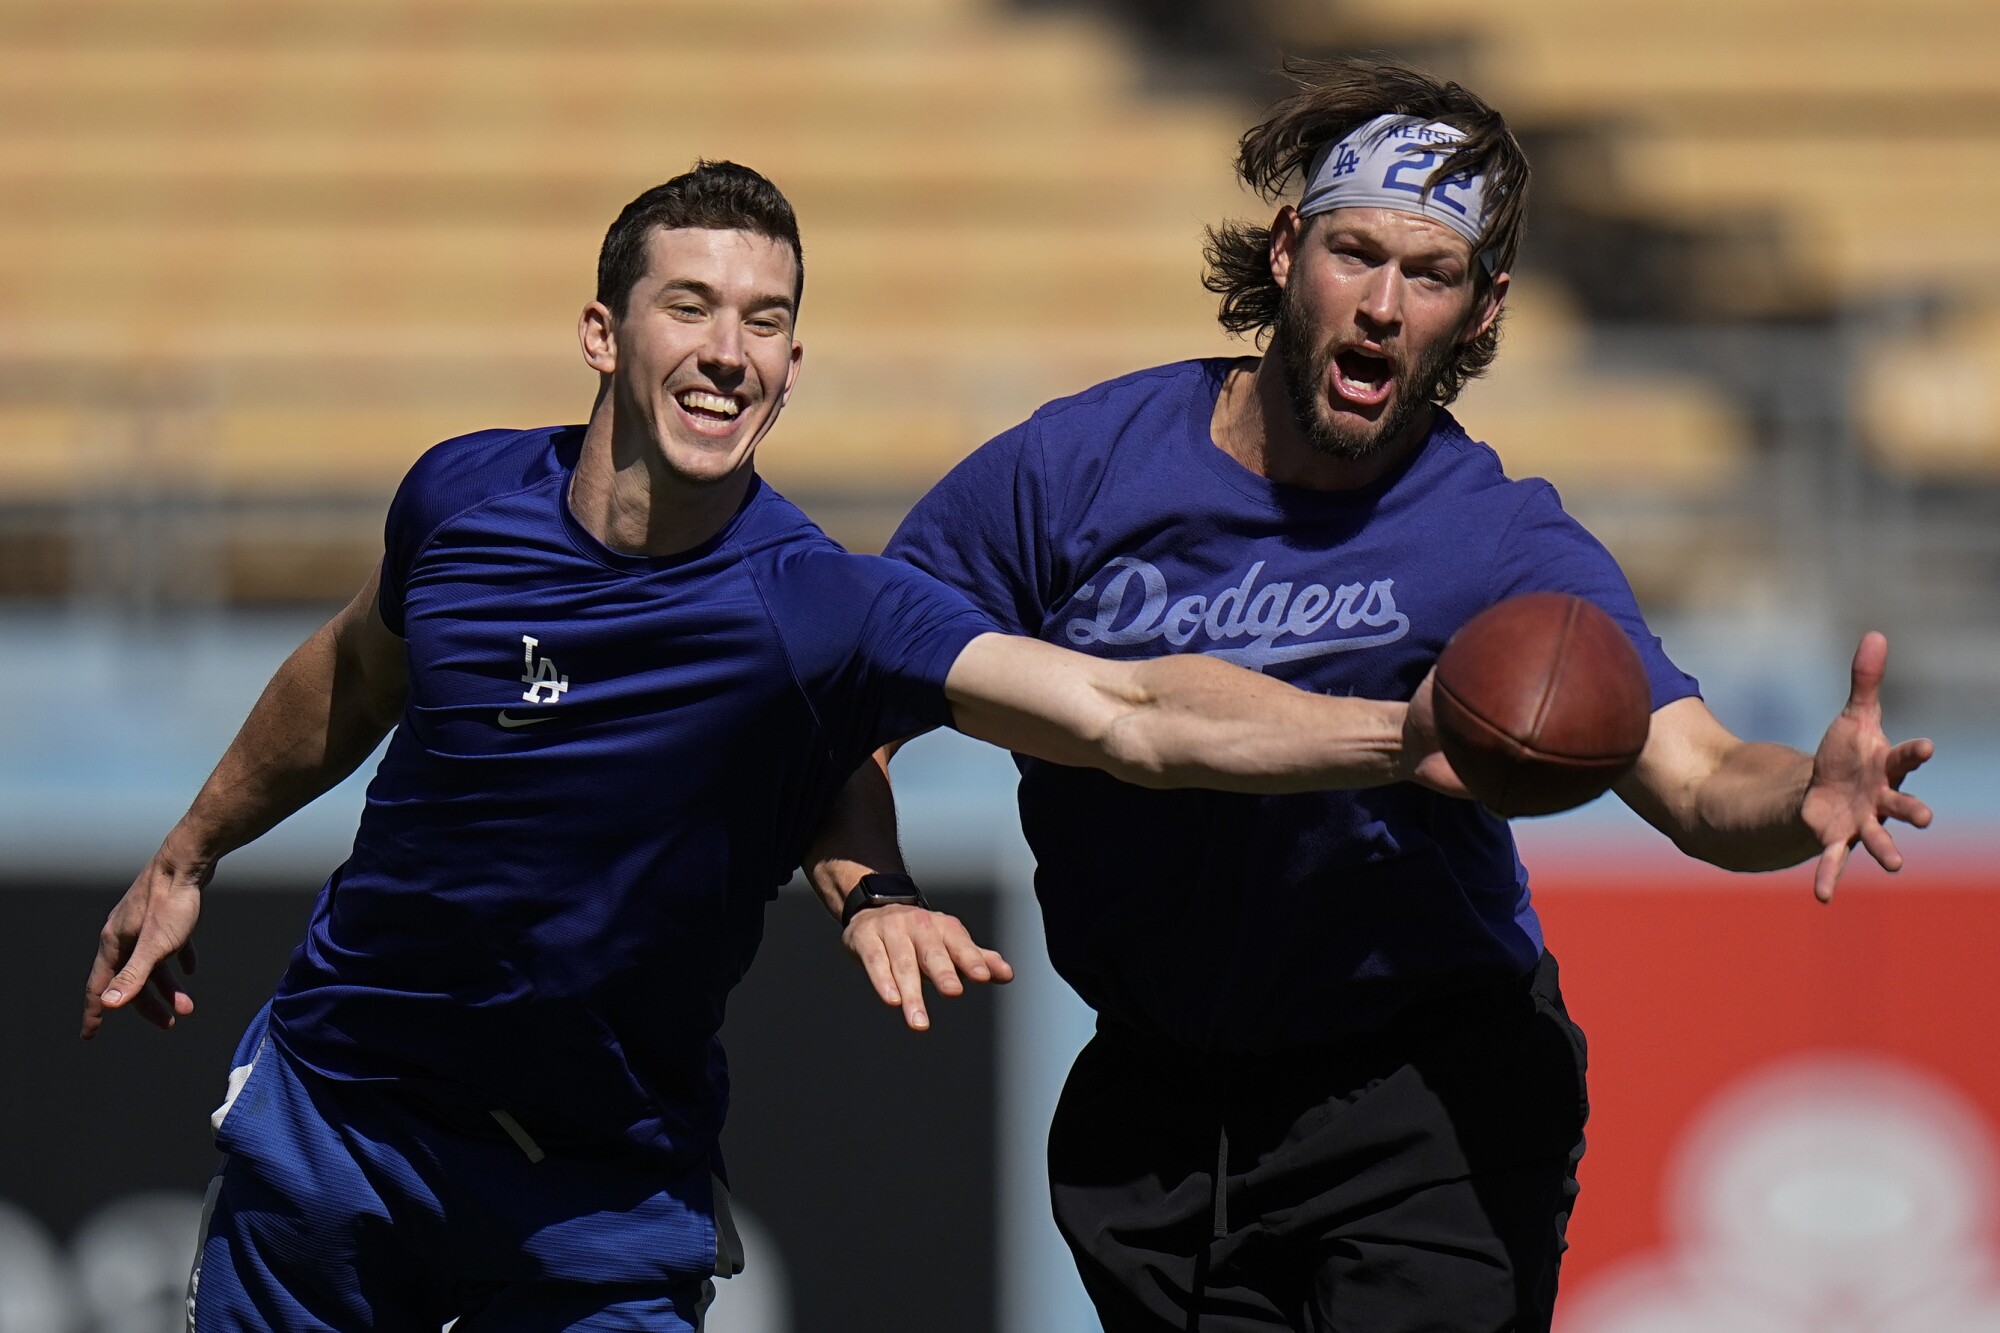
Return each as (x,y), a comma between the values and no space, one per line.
(1382,298)
(724,345)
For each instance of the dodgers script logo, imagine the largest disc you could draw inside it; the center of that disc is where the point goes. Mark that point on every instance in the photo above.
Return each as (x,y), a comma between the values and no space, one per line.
(1134,605)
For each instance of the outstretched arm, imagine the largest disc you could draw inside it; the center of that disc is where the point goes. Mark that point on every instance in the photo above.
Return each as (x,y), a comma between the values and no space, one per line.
(1746,805)
(897,946)
(327,707)
(1188,721)
(1172,721)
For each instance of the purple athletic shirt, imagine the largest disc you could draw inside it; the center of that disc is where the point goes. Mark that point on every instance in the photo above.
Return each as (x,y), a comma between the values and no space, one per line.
(1110,523)
(608,763)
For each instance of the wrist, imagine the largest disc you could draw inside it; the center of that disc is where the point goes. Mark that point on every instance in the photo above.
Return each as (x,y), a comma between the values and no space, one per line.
(186,852)
(1414,741)
(881,889)
(833,878)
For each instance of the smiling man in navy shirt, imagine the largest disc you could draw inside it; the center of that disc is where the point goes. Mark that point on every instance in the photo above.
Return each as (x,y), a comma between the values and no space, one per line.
(1333,1084)
(626,681)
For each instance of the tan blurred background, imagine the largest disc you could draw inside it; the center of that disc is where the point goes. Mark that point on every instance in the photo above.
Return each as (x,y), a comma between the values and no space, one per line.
(257,255)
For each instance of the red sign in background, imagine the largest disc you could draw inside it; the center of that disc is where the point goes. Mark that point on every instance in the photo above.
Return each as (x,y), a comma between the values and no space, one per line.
(1694,985)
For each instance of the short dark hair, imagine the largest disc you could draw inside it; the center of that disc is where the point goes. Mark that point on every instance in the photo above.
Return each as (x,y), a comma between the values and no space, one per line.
(719,195)
(1334,97)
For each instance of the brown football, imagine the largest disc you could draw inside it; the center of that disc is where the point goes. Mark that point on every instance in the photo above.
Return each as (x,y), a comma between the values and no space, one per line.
(1542,703)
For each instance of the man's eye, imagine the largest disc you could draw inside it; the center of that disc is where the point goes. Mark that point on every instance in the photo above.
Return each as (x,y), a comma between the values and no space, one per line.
(685,311)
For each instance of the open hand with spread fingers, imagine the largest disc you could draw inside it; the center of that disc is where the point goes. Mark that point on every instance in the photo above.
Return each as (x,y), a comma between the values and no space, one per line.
(1857,777)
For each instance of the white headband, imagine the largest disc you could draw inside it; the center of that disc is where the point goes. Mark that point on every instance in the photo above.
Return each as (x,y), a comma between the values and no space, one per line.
(1389,163)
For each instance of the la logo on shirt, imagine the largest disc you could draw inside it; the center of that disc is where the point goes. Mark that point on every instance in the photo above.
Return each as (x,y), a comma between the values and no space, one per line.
(540,675)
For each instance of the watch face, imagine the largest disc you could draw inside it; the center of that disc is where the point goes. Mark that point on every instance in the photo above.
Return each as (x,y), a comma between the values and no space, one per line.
(883,890)
(889,888)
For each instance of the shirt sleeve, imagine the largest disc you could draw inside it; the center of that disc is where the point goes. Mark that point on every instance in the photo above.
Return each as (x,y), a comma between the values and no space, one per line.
(446,479)
(871,641)
(1545,550)
(914,633)
(984,530)
(403,535)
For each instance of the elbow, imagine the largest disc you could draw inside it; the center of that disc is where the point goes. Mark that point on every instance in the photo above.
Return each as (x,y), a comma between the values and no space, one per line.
(1128,753)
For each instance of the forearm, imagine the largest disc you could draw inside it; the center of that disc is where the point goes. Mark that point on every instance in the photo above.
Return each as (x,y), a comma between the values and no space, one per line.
(1196,722)
(1179,721)
(316,721)
(858,836)
(1745,813)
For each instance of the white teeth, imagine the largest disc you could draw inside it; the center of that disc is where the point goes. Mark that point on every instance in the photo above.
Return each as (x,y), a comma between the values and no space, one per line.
(709,402)
(1375,374)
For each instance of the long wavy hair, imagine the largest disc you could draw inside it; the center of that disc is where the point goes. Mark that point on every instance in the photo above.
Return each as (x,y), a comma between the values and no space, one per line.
(1335,96)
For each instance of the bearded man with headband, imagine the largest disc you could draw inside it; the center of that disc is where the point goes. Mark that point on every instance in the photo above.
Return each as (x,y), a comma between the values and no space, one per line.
(1333,1083)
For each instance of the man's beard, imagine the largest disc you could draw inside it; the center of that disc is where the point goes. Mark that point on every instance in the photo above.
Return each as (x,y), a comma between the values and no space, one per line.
(1306,369)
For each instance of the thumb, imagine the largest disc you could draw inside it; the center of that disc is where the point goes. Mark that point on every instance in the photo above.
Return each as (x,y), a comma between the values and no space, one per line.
(1871,660)
(1435,771)
(126,984)
(1422,717)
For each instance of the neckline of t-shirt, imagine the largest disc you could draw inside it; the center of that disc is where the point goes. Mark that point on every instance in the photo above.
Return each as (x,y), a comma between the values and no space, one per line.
(586,543)
(1206,387)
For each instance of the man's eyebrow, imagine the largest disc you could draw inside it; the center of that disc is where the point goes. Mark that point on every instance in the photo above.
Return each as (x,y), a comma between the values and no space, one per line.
(696,287)
(689,286)
(1335,235)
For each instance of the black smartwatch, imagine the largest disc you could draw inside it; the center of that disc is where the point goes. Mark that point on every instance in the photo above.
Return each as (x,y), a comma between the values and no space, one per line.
(881,891)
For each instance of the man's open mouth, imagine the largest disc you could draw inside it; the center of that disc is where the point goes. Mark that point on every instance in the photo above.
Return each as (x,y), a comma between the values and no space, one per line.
(1363,378)
(705,406)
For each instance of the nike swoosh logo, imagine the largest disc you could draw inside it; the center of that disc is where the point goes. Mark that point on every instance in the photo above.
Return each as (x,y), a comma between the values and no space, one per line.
(512,722)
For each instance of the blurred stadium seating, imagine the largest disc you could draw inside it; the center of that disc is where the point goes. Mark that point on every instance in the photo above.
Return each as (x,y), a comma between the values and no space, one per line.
(259,255)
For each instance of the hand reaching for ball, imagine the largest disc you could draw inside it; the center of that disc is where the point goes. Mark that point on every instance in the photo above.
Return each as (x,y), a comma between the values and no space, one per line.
(1857,777)
(1429,767)
(1741,805)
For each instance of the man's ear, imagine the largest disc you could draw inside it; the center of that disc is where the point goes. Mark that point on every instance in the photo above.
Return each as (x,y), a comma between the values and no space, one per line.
(792,371)
(1287,230)
(1488,309)
(597,330)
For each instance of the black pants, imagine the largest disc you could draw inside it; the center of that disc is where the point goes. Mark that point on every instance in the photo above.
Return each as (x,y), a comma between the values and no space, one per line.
(1418,1179)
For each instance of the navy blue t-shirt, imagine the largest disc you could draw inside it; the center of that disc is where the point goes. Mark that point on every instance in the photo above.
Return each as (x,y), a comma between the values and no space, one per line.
(607,765)
(1111,523)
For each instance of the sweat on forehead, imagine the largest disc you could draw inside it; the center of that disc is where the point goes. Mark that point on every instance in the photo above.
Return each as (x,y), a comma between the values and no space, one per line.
(1390,162)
